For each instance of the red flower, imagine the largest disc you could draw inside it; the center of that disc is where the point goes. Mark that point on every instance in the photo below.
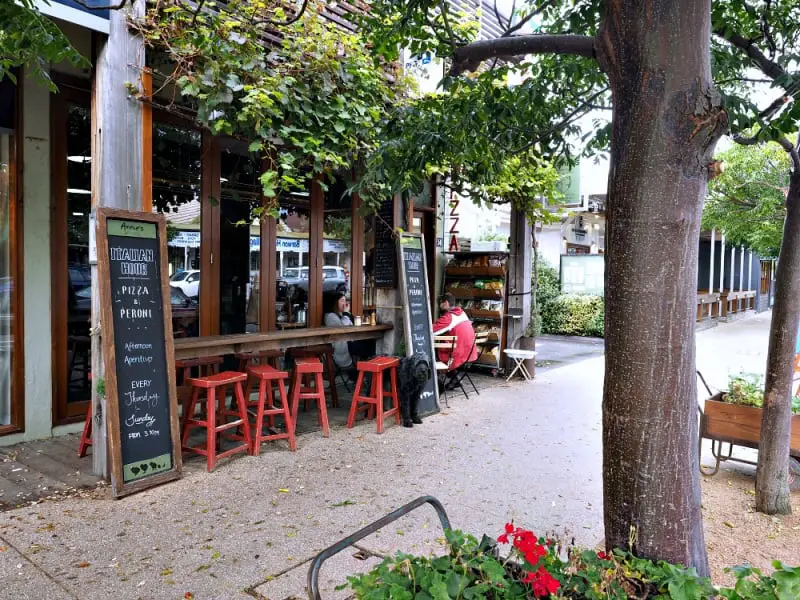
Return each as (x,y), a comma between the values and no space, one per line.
(603,556)
(542,582)
(503,539)
(509,528)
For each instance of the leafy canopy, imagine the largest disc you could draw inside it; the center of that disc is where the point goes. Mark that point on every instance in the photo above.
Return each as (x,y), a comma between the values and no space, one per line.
(30,39)
(497,133)
(313,102)
(755,51)
(748,201)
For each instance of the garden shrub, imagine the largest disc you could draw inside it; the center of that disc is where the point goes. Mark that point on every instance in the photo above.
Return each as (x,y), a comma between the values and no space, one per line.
(570,314)
(538,567)
(549,289)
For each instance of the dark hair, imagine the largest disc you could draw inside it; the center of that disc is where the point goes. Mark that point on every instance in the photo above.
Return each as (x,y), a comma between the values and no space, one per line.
(449,298)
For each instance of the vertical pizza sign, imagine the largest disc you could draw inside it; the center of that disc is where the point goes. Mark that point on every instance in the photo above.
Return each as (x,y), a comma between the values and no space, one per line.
(454,218)
(137,351)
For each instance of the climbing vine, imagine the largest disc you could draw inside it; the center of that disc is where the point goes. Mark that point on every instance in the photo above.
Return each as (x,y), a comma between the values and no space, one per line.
(309,95)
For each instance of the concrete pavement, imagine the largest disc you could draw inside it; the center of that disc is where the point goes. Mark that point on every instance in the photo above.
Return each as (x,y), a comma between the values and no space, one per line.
(523,451)
(529,452)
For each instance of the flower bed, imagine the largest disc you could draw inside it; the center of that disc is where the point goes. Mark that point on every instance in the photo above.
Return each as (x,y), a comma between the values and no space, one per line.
(537,567)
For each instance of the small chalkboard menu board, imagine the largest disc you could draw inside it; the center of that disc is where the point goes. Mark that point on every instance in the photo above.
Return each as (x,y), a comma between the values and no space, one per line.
(138,353)
(385,246)
(418,323)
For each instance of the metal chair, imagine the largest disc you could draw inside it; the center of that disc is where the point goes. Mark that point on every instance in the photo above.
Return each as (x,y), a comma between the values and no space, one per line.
(462,372)
(448,344)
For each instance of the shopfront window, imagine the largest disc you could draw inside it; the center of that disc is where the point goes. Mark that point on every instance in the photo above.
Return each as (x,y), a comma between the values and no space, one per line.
(292,259)
(337,243)
(240,235)
(177,164)
(7,326)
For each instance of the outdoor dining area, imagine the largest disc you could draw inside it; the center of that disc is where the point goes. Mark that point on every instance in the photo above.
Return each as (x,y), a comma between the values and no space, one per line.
(238,392)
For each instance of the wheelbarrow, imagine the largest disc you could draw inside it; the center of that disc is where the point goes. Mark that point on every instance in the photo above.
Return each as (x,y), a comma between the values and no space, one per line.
(730,425)
(319,559)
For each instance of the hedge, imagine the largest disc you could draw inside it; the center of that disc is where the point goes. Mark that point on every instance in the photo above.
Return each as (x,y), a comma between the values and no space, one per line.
(565,314)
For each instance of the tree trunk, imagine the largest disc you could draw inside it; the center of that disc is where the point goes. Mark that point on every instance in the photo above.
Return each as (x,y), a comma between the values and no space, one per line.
(772,480)
(667,120)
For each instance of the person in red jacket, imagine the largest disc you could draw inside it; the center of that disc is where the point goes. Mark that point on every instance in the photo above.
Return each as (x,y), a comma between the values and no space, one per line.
(454,321)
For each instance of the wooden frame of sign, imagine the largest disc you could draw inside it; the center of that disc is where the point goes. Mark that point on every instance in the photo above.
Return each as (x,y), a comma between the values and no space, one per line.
(417,310)
(132,248)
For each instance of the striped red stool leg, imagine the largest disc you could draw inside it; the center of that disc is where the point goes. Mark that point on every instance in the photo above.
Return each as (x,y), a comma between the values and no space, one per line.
(186,426)
(211,426)
(240,401)
(262,390)
(351,418)
(394,396)
(86,436)
(287,415)
(379,401)
(322,405)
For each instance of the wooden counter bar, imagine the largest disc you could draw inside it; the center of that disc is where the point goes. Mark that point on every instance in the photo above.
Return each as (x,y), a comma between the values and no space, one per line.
(220,345)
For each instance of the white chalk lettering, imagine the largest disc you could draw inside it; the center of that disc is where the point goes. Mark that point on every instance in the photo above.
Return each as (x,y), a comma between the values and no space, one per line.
(146,419)
(135,313)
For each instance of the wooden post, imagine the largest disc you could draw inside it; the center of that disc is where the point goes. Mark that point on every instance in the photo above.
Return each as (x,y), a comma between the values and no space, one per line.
(711,265)
(520,265)
(750,272)
(741,269)
(116,172)
(722,308)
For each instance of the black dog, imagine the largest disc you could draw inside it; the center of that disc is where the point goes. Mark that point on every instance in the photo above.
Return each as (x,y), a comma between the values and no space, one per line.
(414,373)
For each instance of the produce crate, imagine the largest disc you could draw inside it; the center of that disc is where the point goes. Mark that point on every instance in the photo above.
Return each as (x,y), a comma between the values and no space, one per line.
(465,292)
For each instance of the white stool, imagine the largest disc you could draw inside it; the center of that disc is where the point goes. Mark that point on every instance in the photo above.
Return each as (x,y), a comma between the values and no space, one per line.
(519,357)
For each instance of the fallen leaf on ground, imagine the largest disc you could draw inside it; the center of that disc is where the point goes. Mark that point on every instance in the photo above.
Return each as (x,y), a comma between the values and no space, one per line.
(188,596)
(343,503)
(166,572)
(82,565)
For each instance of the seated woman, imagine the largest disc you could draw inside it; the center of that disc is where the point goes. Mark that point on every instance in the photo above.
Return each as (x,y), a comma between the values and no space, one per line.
(341,317)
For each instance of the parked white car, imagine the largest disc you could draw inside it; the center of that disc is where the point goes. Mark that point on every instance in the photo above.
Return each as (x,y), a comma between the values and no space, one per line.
(187,281)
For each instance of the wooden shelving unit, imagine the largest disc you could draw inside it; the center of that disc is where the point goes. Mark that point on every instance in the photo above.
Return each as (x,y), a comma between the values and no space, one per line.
(460,281)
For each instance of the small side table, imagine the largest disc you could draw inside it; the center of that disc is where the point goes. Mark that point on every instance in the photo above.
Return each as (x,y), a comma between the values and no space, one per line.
(519,357)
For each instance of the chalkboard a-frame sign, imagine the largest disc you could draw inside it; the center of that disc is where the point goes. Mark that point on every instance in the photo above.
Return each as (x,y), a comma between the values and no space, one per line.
(417,322)
(138,352)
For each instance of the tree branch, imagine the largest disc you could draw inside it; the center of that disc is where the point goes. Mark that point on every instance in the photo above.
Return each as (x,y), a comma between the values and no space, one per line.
(769,67)
(469,57)
(524,21)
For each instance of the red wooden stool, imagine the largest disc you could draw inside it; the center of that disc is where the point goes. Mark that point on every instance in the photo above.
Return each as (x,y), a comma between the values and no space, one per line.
(265,406)
(249,359)
(205,366)
(309,371)
(86,436)
(324,352)
(215,416)
(265,357)
(374,402)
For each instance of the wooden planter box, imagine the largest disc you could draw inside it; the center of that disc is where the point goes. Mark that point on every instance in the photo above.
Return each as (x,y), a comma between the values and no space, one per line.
(740,424)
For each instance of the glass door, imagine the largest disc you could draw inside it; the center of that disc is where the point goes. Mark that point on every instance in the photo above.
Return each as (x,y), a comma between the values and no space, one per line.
(71,281)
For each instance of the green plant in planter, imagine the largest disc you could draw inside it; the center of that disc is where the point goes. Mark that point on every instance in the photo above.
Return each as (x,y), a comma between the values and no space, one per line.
(747,389)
